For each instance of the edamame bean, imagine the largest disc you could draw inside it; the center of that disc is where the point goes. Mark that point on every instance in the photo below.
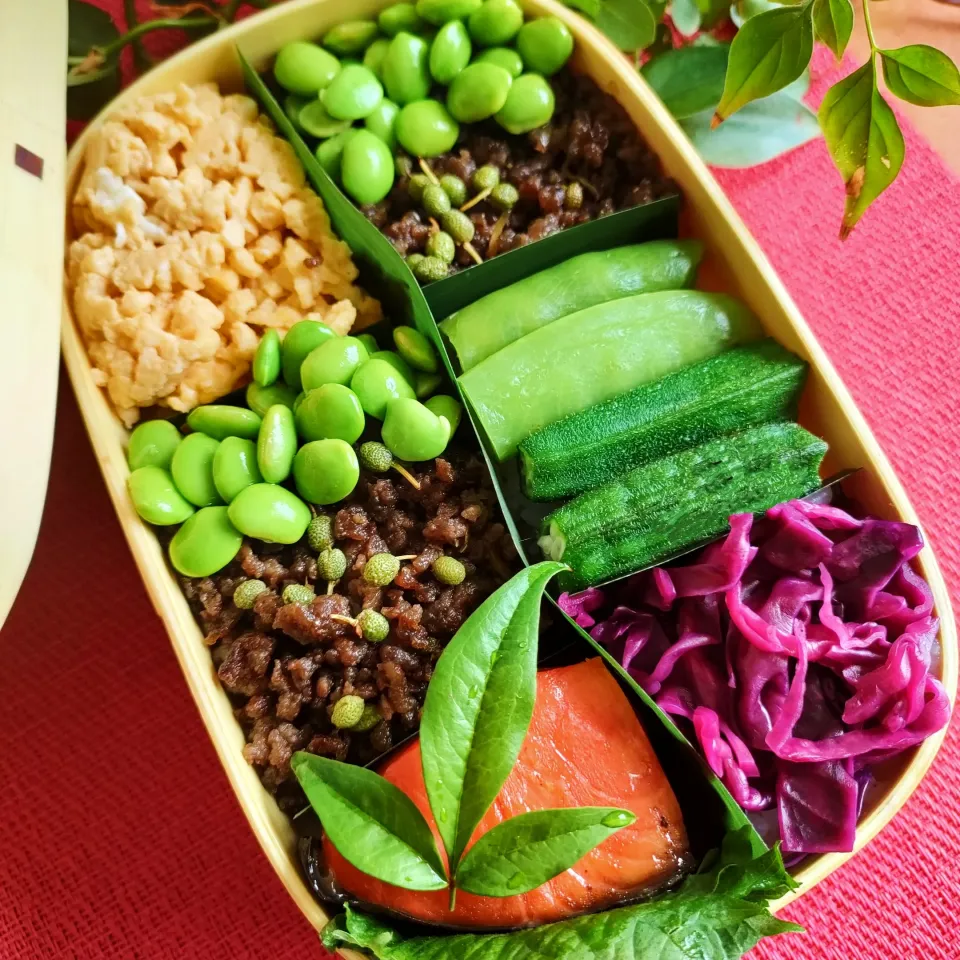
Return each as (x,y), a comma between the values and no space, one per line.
(369,341)
(304,68)
(292,105)
(545,45)
(366,168)
(350,37)
(316,120)
(219,420)
(400,16)
(235,467)
(426,383)
(415,348)
(206,543)
(478,92)
(412,432)
(152,444)
(376,382)
(381,122)
(397,362)
(334,361)
(495,23)
(426,129)
(155,497)
(329,153)
(326,471)
(504,57)
(192,469)
(447,407)
(332,411)
(269,512)
(439,12)
(405,70)
(449,52)
(276,444)
(266,361)
(529,104)
(353,94)
(373,58)
(301,339)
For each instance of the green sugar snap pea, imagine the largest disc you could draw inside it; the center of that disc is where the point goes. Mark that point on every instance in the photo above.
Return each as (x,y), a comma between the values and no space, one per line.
(400,16)
(235,467)
(301,339)
(332,411)
(439,12)
(266,361)
(545,45)
(397,362)
(152,444)
(449,52)
(505,57)
(529,104)
(350,37)
(269,512)
(192,469)
(261,399)
(412,432)
(406,73)
(369,341)
(495,23)
(304,68)
(415,348)
(446,406)
(326,471)
(206,543)
(219,420)
(276,444)
(478,92)
(333,362)
(329,152)
(426,129)
(366,168)
(316,120)
(353,93)
(156,498)
(373,58)
(382,120)
(376,382)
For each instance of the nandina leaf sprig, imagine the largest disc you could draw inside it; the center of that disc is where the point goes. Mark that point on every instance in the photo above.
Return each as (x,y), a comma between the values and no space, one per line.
(478,709)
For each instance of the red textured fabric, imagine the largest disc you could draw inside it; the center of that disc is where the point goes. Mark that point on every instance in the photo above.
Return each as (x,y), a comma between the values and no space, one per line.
(120,837)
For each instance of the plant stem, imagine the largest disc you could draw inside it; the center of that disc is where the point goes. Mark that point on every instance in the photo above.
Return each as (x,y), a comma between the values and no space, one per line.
(114,47)
(140,58)
(869,25)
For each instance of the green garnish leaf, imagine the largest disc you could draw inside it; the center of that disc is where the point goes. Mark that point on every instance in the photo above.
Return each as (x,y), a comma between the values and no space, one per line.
(523,853)
(479,704)
(922,75)
(686,16)
(769,52)
(743,10)
(833,22)
(630,24)
(717,915)
(864,139)
(690,79)
(371,822)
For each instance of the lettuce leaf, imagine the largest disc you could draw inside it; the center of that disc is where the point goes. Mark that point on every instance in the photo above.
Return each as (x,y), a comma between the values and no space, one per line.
(717,914)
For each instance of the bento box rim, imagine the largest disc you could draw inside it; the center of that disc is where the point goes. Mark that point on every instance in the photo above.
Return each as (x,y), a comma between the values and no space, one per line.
(106,437)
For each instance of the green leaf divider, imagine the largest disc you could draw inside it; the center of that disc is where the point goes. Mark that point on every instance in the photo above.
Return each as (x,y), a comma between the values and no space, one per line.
(386,276)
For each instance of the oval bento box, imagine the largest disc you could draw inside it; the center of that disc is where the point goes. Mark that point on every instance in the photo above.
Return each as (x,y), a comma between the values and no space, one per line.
(735,261)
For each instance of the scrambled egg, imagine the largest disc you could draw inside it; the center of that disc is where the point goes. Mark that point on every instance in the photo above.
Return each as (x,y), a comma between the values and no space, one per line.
(195,232)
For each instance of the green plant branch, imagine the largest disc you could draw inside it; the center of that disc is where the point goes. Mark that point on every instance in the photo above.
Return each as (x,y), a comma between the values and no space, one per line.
(868,23)
(142,60)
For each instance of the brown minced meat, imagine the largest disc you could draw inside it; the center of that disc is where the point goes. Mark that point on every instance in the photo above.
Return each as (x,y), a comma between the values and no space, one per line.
(589,141)
(286,665)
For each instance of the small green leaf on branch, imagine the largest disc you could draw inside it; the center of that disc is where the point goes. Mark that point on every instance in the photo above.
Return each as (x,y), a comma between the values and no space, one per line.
(922,75)
(833,22)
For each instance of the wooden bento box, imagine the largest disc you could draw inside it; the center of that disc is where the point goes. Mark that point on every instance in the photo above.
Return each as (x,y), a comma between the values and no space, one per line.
(734,257)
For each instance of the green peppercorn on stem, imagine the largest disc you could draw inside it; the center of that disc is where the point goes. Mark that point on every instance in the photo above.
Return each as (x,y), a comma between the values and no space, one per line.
(331,565)
(320,533)
(449,570)
(298,593)
(381,568)
(246,594)
(375,457)
(347,712)
(374,626)
(368,719)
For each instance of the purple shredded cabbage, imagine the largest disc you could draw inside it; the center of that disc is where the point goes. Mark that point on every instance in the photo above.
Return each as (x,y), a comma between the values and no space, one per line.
(799,651)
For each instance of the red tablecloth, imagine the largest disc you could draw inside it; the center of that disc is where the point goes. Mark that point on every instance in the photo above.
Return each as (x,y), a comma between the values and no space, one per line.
(120,837)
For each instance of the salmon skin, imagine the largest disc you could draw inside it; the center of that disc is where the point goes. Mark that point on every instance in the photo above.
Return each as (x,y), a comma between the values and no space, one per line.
(585,747)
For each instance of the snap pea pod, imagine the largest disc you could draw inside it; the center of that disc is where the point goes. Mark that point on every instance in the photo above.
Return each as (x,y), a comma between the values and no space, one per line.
(595,354)
(490,323)
(651,513)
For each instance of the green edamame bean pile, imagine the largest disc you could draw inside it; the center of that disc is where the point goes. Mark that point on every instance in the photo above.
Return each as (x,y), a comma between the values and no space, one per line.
(255,470)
